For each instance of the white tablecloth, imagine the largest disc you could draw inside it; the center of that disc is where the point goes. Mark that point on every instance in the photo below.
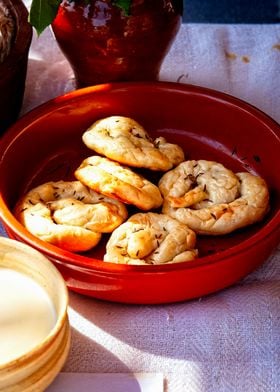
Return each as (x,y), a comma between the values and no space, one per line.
(228,341)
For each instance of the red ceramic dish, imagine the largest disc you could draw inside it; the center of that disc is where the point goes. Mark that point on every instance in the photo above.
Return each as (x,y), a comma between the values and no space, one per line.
(46,145)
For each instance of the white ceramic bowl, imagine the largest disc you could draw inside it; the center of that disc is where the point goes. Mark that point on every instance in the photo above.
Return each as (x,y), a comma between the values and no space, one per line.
(35,367)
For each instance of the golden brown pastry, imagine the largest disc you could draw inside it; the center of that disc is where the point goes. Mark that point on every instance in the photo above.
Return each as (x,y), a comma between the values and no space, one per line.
(150,238)
(211,199)
(124,140)
(120,182)
(69,215)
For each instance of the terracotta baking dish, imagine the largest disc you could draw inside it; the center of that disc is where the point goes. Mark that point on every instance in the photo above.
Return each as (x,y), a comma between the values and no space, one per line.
(46,145)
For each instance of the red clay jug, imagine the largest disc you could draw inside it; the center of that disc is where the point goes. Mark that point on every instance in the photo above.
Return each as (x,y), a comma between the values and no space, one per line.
(103,44)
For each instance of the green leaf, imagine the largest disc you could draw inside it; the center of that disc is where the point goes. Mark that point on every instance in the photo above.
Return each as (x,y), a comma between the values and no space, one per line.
(42,13)
(123,4)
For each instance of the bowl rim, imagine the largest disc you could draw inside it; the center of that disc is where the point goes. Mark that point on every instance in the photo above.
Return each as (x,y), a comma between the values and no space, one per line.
(62,316)
(83,262)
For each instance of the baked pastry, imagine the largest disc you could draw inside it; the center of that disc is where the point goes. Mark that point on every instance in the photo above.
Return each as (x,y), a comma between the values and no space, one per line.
(69,215)
(151,238)
(120,182)
(211,199)
(124,140)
